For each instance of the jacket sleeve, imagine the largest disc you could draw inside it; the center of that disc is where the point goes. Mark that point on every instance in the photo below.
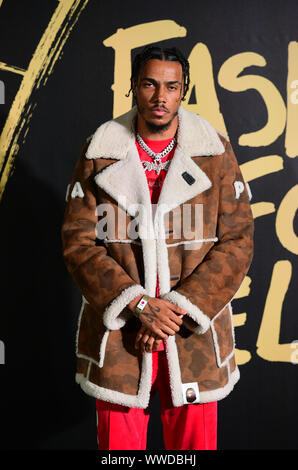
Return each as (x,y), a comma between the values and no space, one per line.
(212,285)
(104,284)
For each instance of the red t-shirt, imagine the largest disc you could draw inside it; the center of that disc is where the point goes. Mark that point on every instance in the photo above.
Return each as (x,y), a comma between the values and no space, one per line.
(155,181)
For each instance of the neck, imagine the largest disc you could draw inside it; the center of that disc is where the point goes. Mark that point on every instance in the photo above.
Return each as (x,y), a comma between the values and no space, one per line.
(166,133)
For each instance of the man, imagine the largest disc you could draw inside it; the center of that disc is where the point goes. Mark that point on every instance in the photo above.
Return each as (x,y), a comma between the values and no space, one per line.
(158,236)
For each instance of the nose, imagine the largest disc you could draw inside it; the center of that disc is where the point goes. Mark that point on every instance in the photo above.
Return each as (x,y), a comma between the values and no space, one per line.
(160,96)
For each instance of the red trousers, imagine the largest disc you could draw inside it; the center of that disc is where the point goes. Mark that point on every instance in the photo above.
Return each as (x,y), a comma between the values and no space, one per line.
(187,427)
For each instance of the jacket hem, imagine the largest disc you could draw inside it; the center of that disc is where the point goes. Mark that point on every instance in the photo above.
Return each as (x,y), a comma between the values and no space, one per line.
(220,393)
(142,400)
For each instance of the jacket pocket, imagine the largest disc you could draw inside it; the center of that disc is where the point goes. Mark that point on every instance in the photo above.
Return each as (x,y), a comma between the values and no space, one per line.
(223,335)
(90,334)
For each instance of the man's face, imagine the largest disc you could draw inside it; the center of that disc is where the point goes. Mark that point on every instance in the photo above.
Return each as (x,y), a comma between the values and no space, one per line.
(159,92)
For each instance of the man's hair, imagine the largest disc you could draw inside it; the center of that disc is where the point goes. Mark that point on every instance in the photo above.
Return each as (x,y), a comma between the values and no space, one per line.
(155,52)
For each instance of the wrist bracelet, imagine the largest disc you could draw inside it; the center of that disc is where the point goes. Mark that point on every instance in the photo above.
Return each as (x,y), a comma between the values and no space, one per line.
(141,305)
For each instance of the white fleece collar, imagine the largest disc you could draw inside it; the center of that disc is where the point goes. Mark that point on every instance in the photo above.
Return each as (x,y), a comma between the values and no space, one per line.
(196,136)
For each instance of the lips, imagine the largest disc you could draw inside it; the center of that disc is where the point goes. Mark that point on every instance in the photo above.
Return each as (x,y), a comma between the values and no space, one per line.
(159,111)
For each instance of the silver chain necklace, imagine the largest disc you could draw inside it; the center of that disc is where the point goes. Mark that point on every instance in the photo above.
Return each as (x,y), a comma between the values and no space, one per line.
(157,165)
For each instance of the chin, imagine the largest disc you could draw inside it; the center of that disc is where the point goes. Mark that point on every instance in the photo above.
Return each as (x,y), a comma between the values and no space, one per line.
(158,125)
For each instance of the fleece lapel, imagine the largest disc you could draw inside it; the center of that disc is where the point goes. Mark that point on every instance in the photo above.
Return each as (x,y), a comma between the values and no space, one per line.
(126,182)
(123,180)
(185,179)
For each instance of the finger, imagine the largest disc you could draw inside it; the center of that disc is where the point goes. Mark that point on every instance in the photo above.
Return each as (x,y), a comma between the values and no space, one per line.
(173,326)
(140,334)
(159,338)
(166,329)
(138,337)
(162,330)
(172,323)
(149,344)
(157,331)
(144,339)
(178,319)
(177,309)
(142,330)
(143,346)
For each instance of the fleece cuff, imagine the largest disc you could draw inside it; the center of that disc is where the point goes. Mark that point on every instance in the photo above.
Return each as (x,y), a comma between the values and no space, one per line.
(202,322)
(114,317)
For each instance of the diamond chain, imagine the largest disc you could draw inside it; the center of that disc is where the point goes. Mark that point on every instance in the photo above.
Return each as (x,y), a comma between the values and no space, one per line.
(157,165)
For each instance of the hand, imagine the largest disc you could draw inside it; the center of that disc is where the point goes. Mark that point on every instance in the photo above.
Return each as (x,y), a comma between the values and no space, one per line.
(146,341)
(160,316)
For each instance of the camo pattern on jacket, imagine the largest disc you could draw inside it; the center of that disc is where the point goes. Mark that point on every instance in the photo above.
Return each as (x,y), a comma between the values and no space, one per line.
(208,272)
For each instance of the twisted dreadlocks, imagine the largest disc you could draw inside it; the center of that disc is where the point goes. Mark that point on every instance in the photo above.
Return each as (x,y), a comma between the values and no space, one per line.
(154,52)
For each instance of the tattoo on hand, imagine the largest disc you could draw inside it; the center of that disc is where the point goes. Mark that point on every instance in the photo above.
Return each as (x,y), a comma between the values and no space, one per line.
(150,315)
(153,310)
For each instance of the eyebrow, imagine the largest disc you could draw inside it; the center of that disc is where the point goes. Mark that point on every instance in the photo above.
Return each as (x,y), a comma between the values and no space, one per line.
(148,79)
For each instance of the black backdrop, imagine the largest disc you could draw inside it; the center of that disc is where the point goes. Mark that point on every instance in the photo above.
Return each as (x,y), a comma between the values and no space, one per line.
(51,101)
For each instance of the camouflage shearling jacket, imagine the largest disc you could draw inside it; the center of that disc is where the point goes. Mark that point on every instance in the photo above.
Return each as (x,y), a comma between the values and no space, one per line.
(198,239)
